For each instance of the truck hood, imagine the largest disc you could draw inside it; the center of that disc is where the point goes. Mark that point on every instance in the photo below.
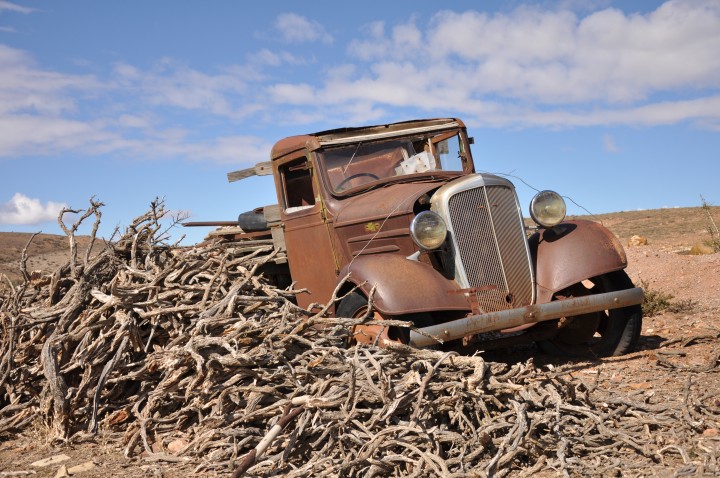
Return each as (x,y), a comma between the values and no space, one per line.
(379,204)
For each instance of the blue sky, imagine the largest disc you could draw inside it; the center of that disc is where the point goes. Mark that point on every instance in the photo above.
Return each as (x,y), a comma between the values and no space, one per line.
(613,104)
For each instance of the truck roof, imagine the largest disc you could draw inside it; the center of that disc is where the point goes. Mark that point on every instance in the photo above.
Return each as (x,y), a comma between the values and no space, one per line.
(339,136)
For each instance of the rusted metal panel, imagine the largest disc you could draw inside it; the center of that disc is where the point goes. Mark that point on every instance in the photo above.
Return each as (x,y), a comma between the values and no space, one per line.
(310,255)
(382,203)
(375,133)
(393,128)
(506,319)
(572,252)
(368,237)
(404,286)
(289,145)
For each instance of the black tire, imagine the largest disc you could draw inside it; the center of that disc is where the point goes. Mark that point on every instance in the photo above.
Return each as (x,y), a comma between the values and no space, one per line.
(601,334)
(352,306)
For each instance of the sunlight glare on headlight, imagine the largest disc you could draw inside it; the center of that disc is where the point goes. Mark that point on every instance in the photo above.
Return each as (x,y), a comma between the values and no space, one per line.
(428,230)
(547,208)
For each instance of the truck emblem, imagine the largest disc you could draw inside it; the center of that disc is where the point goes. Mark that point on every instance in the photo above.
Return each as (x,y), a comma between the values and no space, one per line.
(372,227)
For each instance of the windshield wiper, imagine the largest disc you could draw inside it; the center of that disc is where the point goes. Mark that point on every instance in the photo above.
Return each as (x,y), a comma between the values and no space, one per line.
(352,157)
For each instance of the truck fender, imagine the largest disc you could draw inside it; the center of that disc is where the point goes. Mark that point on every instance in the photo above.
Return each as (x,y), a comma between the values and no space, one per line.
(402,285)
(572,252)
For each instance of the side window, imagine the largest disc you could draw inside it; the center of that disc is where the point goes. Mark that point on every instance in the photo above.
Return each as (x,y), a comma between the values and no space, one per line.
(449,152)
(297,185)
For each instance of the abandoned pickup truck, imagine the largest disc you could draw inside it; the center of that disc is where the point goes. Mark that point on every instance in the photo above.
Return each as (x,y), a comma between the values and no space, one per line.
(399,214)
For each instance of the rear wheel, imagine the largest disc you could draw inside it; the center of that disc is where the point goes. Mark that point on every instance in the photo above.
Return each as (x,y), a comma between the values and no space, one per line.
(598,334)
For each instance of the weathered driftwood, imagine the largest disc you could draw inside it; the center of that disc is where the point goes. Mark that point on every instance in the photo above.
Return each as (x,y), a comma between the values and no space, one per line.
(188,353)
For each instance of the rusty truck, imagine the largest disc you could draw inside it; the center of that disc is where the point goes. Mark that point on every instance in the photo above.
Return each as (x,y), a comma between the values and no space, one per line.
(394,218)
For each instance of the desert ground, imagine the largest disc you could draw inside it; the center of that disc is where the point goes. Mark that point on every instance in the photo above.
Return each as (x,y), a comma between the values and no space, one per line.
(678,356)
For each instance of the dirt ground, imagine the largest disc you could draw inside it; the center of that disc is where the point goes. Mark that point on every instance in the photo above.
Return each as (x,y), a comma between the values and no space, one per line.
(45,253)
(670,343)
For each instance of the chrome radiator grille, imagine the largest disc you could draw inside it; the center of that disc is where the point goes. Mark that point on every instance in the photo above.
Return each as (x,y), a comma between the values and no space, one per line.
(491,244)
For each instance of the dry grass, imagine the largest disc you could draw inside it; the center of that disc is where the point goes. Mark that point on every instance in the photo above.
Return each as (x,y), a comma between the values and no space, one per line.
(657,302)
(671,226)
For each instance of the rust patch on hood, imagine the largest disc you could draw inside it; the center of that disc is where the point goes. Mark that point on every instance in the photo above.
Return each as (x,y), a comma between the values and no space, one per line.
(397,199)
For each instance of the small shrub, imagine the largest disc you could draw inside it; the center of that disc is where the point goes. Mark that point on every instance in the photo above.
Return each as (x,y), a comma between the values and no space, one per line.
(682,306)
(656,302)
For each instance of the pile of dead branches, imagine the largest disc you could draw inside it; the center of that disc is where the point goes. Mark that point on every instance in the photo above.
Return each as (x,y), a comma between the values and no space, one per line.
(189,354)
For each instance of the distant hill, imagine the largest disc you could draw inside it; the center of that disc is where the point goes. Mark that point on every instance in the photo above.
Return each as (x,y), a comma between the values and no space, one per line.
(675,228)
(46,253)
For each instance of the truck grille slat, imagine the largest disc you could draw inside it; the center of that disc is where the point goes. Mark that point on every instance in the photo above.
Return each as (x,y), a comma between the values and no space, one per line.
(491,244)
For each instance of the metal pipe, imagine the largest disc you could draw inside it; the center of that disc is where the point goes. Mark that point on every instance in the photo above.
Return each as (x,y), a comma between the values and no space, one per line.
(210,223)
(505,319)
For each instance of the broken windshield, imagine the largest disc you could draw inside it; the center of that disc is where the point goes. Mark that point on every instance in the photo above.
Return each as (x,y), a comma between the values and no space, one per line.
(354,165)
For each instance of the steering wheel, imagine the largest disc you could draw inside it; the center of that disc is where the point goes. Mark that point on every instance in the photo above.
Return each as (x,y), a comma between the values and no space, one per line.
(349,178)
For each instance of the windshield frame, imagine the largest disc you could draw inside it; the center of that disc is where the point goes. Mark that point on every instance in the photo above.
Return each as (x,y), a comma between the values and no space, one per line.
(396,158)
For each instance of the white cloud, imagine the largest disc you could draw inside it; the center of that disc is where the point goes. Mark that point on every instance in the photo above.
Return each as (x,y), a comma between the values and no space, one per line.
(24,210)
(25,135)
(14,7)
(129,135)
(134,121)
(526,67)
(703,112)
(170,83)
(7,29)
(287,93)
(609,144)
(179,86)
(296,28)
(535,66)
(405,41)
(269,58)
(25,87)
(236,150)
(266,57)
(554,57)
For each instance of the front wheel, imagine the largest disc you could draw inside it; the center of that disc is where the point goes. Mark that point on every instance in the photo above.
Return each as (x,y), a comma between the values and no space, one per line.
(599,334)
(355,305)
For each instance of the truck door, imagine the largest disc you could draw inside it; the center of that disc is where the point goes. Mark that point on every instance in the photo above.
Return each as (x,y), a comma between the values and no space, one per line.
(309,247)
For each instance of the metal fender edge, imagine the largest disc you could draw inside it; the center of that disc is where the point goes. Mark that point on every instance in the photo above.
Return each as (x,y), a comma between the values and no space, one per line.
(403,286)
(572,252)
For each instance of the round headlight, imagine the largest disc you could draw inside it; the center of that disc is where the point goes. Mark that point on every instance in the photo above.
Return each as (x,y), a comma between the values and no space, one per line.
(547,208)
(428,230)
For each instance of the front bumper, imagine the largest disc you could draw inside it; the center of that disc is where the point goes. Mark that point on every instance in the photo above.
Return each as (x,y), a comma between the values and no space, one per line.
(506,319)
